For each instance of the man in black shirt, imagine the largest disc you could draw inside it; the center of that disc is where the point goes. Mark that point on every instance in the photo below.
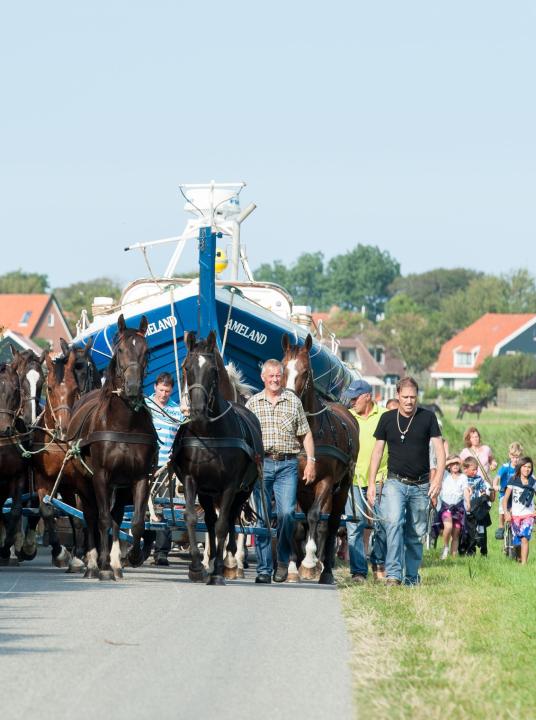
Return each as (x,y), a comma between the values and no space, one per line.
(408,490)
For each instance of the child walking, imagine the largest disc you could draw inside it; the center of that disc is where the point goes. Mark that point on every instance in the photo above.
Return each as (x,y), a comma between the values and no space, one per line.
(478,498)
(505,473)
(521,489)
(451,508)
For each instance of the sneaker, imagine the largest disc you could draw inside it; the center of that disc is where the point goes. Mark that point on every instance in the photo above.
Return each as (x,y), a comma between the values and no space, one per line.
(263,579)
(445,553)
(281,574)
(499,534)
(161,561)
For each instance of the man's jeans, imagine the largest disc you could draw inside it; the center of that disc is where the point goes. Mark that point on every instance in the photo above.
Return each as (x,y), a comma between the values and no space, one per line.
(354,530)
(404,510)
(281,479)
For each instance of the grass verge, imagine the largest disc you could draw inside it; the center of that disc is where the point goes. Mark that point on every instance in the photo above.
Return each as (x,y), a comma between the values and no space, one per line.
(463,644)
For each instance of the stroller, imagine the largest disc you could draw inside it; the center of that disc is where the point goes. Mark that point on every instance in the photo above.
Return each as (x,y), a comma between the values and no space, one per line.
(474,529)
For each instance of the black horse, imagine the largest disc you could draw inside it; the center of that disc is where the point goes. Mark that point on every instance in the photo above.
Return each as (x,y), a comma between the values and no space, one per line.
(217,455)
(433,407)
(85,371)
(120,445)
(475,408)
(13,467)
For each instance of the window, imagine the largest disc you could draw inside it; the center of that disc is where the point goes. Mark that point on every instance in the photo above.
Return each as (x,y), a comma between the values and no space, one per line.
(51,320)
(464,359)
(348,356)
(378,353)
(25,319)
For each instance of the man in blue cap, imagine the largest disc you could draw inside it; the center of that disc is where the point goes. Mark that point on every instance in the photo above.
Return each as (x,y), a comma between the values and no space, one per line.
(367,413)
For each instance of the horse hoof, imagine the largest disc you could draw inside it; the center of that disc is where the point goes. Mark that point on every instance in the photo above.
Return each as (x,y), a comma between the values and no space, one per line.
(118,574)
(135,560)
(76,566)
(230,573)
(293,577)
(308,573)
(106,575)
(62,559)
(216,580)
(326,578)
(91,574)
(197,575)
(239,573)
(27,553)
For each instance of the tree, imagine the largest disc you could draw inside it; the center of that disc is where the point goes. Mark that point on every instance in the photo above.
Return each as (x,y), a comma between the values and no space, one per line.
(361,278)
(507,370)
(276,273)
(18,281)
(307,282)
(522,291)
(428,289)
(77,296)
(410,336)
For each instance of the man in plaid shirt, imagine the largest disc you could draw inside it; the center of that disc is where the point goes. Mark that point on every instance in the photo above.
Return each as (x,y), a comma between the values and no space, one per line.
(284,430)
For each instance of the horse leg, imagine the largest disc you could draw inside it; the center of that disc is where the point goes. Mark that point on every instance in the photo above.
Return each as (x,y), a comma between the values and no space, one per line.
(222,528)
(60,555)
(13,521)
(308,567)
(102,495)
(211,516)
(326,576)
(140,492)
(196,571)
(115,552)
(240,554)
(90,515)
(294,558)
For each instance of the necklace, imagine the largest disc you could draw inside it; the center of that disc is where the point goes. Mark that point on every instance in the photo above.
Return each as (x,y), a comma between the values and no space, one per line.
(403,434)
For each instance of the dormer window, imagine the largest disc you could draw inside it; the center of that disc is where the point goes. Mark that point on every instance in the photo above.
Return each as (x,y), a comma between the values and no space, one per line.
(464,358)
(25,319)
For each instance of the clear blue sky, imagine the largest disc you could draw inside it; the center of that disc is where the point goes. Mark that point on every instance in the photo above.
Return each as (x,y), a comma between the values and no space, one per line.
(406,125)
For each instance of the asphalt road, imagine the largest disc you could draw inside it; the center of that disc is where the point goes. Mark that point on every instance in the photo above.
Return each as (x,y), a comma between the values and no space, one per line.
(157,645)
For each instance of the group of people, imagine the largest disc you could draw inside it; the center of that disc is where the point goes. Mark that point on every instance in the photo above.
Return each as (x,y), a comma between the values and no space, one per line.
(402,468)
(468,493)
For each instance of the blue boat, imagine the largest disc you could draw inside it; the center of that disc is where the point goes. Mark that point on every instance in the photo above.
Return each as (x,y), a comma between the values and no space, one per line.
(249,317)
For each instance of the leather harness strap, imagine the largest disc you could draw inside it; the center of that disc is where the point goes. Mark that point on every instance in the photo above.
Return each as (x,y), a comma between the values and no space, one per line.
(125,437)
(209,442)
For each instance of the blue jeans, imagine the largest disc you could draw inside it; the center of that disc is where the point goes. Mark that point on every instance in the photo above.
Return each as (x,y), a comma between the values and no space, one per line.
(356,550)
(404,510)
(281,479)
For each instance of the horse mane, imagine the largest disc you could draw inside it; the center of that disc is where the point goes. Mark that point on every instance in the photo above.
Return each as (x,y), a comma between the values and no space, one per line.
(241,389)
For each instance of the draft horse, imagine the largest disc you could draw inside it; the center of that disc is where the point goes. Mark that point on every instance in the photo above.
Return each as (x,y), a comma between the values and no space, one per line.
(13,467)
(118,442)
(475,408)
(336,437)
(217,455)
(53,463)
(85,371)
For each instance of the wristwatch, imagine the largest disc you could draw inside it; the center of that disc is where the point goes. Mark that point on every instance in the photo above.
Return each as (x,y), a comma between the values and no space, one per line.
(311,458)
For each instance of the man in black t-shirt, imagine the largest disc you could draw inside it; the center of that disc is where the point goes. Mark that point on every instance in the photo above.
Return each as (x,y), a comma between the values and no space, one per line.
(403,507)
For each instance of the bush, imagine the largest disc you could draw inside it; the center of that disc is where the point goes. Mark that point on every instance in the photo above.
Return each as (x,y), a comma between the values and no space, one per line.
(431,393)
(447,393)
(480,390)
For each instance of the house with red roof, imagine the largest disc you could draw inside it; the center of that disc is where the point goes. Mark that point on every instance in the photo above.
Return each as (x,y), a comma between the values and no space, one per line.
(491,335)
(34,316)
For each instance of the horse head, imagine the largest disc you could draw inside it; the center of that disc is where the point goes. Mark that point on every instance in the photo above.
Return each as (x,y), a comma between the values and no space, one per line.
(10,397)
(200,373)
(29,368)
(129,362)
(62,393)
(297,371)
(85,371)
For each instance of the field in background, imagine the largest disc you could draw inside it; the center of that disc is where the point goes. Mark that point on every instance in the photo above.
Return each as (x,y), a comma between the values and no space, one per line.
(463,644)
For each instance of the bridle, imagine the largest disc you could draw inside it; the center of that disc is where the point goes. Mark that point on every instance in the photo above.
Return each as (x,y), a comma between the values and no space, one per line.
(306,385)
(210,394)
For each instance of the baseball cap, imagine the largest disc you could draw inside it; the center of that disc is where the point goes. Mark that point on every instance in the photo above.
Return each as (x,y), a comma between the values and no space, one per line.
(357,388)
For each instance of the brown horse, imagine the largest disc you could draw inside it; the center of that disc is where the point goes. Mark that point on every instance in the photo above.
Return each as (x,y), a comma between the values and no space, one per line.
(118,440)
(51,454)
(29,368)
(336,437)
(13,468)
(85,371)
